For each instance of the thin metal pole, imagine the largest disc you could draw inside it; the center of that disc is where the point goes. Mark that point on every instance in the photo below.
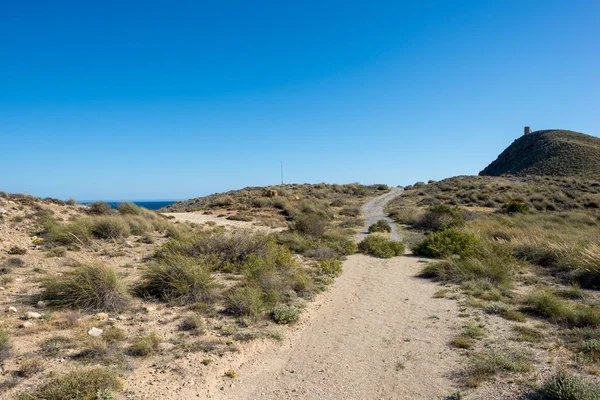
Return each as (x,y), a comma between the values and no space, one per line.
(282,172)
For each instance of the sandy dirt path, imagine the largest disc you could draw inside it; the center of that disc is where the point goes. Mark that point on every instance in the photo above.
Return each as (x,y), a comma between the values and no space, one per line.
(376,334)
(373,211)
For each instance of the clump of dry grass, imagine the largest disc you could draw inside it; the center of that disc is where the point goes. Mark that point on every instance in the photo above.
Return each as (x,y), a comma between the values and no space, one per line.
(80,384)
(485,364)
(88,287)
(546,304)
(178,279)
(145,345)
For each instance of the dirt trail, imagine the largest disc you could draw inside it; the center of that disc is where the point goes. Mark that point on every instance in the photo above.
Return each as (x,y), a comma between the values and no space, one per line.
(376,334)
(374,211)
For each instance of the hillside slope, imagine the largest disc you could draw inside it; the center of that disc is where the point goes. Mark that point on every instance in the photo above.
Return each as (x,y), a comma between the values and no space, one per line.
(549,152)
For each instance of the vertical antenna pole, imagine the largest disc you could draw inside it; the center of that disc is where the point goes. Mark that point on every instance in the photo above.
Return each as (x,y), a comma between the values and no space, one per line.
(282,172)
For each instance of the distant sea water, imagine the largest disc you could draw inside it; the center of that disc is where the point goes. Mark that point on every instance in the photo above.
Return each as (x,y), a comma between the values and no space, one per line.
(150,205)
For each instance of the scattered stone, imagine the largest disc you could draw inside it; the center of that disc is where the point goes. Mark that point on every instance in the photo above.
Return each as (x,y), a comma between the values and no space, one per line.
(112,320)
(95,332)
(41,303)
(2,288)
(26,324)
(101,316)
(149,308)
(11,309)
(33,315)
(121,317)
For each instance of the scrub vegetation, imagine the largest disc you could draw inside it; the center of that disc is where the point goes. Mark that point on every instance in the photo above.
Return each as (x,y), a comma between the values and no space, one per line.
(523,249)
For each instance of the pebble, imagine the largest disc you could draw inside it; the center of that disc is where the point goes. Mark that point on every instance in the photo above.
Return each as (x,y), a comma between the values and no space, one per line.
(95,331)
(41,303)
(149,308)
(121,317)
(33,315)
(11,309)
(27,324)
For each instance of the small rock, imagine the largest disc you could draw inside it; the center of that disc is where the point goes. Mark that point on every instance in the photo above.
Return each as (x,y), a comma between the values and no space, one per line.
(112,320)
(2,288)
(121,317)
(11,309)
(95,331)
(41,303)
(128,244)
(149,308)
(27,324)
(33,315)
(101,316)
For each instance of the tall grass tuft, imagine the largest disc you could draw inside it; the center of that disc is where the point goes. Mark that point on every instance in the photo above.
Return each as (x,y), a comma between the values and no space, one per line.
(178,279)
(88,287)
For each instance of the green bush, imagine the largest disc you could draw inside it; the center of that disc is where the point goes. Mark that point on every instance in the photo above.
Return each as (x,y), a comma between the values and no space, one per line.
(442,216)
(275,273)
(177,279)
(514,207)
(246,300)
(548,305)
(80,385)
(564,386)
(227,251)
(380,247)
(78,232)
(490,271)
(446,243)
(285,314)
(310,224)
(380,226)
(109,227)
(221,201)
(144,346)
(331,268)
(100,208)
(88,287)
(130,209)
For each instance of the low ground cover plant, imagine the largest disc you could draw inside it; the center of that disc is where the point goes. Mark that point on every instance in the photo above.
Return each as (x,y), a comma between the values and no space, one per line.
(81,384)
(447,243)
(381,247)
(380,226)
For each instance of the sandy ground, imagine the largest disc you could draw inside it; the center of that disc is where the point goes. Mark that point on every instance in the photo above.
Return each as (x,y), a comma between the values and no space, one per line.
(373,212)
(201,218)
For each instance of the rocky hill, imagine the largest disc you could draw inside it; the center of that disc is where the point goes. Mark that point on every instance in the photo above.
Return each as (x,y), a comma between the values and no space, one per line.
(549,153)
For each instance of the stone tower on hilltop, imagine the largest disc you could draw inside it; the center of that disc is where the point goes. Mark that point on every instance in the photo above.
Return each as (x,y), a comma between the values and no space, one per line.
(526,130)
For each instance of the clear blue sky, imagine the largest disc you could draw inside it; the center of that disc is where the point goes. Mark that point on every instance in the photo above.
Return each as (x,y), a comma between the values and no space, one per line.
(169,100)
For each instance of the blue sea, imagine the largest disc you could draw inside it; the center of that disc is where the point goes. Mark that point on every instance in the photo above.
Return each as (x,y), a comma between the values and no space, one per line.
(150,205)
